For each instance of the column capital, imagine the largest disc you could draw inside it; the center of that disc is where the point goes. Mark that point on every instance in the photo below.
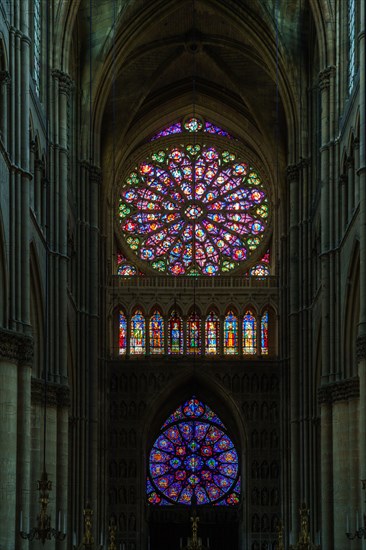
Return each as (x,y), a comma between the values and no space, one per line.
(39,164)
(65,82)
(342,390)
(325,75)
(16,347)
(361,348)
(5,78)
(57,394)
(292,172)
(95,172)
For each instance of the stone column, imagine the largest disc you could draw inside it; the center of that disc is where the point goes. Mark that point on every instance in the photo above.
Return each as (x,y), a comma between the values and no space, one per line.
(293,193)
(63,403)
(38,190)
(62,86)
(4,84)
(16,353)
(344,203)
(361,172)
(351,186)
(325,78)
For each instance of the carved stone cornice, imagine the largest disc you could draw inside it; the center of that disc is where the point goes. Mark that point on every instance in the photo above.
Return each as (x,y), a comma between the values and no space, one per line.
(65,83)
(325,76)
(360,348)
(16,347)
(339,391)
(57,395)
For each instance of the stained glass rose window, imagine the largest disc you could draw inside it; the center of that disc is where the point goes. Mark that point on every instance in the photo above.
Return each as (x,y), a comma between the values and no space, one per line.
(193,209)
(193,455)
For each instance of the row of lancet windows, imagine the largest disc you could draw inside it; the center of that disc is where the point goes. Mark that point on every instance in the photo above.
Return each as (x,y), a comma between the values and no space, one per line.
(154,335)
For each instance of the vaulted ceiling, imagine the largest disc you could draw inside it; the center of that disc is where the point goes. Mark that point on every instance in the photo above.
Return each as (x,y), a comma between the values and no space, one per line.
(238,62)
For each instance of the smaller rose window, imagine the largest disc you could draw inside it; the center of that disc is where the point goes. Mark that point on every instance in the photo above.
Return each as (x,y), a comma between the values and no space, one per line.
(193,455)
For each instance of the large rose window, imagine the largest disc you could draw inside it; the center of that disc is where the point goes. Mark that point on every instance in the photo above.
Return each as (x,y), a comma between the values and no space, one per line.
(193,455)
(193,209)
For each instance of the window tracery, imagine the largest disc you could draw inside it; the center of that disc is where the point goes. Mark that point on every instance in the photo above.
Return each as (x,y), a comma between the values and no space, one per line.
(193,455)
(193,209)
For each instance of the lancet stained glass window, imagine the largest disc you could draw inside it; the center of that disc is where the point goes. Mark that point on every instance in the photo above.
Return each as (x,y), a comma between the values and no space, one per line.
(175,340)
(264,333)
(249,334)
(193,209)
(193,334)
(122,336)
(193,455)
(37,44)
(351,44)
(138,332)
(231,334)
(156,333)
(212,334)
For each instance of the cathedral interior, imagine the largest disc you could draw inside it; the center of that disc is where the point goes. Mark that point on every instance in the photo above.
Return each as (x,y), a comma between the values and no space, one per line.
(182,274)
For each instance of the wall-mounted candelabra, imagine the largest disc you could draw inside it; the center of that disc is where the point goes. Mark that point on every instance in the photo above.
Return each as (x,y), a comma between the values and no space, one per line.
(360,532)
(304,542)
(43,531)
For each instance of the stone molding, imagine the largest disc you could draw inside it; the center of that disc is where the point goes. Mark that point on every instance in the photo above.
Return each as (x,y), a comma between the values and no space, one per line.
(361,348)
(57,395)
(16,347)
(343,390)
(325,76)
(65,83)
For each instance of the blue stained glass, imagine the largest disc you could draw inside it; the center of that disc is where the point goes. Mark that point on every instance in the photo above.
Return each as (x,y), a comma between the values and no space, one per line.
(193,455)
(264,333)
(122,334)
